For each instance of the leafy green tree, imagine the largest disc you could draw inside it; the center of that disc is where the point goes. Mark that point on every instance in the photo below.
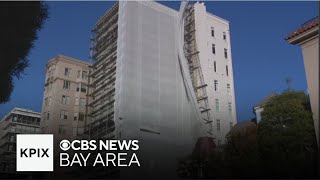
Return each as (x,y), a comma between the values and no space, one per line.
(20,22)
(286,137)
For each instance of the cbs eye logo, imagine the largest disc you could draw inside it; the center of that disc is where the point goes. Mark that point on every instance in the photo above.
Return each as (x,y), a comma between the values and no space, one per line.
(65,145)
(78,145)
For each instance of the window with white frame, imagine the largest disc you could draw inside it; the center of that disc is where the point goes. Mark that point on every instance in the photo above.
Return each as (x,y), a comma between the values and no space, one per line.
(82,102)
(217,105)
(218,125)
(75,116)
(67,72)
(65,99)
(66,84)
(63,114)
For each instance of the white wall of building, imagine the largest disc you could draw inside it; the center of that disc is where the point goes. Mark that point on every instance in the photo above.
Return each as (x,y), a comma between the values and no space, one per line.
(204,22)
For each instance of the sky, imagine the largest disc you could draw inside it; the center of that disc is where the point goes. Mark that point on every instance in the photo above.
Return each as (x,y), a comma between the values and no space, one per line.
(262,59)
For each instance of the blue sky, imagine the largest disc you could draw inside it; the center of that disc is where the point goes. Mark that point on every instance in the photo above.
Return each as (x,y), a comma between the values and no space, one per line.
(262,59)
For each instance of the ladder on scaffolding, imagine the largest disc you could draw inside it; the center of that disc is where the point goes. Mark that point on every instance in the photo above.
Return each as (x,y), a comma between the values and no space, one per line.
(192,56)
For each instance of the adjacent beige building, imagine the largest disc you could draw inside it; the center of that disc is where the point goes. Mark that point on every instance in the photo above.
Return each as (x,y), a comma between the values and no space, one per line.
(307,37)
(64,100)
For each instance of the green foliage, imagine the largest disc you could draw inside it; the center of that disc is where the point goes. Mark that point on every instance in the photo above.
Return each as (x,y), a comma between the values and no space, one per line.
(282,145)
(20,22)
(286,136)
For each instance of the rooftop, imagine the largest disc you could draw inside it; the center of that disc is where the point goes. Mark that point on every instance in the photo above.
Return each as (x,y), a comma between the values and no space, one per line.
(265,100)
(314,22)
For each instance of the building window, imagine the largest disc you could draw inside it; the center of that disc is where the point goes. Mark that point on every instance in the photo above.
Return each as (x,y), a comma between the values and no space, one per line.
(78,87)
(231,125)
(218,125)
(229,107)
(62,129)
(219,142)
(227,70)
(46,101)
(225,53)
(82,102)
(224,36)
(213,49)
(212,32)
(44,116)
(74,131)
(216,85)
(217,105)
(81,116)
(75,116)
(83,88)
(76,102)
(228,88)
(215,66)
(79,74)
(67,72)
(66,84)
(80,130)
(48,115)
(63,114)
(65,99)
(84,75)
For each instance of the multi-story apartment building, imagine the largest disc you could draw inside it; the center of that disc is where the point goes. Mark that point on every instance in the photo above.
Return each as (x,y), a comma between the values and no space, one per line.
(64,100)
(18,121)
(162,76)
(213,41)
(111,55)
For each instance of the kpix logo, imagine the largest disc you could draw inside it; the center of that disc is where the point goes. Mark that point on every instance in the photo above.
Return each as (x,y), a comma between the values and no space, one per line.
(34,152)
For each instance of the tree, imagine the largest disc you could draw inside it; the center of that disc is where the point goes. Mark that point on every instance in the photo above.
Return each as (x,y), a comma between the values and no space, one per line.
(242,153)
(286,137)
(20,22)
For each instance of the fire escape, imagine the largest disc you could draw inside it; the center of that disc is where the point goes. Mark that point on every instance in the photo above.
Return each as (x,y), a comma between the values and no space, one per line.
(192,56)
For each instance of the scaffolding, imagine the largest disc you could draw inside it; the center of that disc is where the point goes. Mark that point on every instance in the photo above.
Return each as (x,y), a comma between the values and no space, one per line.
(192,56)
(103,52)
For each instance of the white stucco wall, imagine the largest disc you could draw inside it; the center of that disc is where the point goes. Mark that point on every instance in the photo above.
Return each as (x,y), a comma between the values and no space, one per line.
(204,22)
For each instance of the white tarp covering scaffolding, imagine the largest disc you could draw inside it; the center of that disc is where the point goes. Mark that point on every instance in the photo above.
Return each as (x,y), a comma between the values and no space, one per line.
(154,99)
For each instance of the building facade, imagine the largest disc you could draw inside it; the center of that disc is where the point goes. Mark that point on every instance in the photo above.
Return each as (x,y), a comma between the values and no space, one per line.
(111,59)
(157,78)
(307,37)
(64,99)
(214,46)
(18,121)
